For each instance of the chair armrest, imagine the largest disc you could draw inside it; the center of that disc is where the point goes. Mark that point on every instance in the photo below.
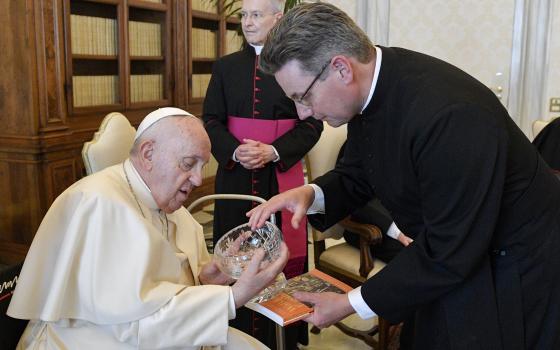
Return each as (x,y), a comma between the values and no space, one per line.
(369,235)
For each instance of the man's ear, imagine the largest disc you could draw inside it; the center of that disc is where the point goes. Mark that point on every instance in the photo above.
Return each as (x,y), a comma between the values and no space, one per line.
(343,66)
(145,154)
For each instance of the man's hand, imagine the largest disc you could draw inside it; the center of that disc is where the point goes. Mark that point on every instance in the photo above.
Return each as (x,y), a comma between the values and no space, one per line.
(253,154)
(256,277)
(211,274)
(297,201)
(328,307)
(404,239)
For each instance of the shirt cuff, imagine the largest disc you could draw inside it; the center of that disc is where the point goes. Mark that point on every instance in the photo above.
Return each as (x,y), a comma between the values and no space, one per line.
(233,157)
(359,305)
(318,205)
(231,308)
(393,231)
(276,153)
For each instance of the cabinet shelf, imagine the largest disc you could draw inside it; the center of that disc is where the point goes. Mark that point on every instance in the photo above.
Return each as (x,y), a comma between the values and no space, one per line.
(149,104)
(147,58)
(95,57)
(233,20)
(203,60)
(148,5)
(97,109)
(108,2)
(205,15)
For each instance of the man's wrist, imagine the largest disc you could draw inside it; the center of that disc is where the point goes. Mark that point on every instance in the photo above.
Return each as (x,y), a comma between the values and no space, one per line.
(318,204)
(359,305)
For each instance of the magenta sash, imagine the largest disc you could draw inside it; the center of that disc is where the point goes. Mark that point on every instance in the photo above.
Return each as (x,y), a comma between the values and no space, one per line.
(267,131)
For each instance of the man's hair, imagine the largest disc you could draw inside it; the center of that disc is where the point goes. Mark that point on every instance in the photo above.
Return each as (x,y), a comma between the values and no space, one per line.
(277,5)
(312,34)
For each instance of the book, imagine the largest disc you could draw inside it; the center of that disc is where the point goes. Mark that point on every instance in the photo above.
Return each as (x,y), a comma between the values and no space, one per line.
(284,309)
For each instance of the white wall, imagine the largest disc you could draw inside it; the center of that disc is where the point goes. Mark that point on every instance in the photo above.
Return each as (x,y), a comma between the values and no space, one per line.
(480,43)
(474,35)
(553,77)
(348,6)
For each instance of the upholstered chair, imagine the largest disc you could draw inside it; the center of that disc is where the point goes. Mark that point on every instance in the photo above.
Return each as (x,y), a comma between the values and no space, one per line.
(110,145)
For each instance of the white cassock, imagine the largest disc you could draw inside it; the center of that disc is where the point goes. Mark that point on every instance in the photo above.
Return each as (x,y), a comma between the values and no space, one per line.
(108,270)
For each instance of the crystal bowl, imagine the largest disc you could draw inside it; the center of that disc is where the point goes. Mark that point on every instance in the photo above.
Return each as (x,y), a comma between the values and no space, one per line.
(234,250)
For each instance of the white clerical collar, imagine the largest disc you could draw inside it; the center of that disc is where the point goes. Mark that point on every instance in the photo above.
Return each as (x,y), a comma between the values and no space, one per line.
(258,49)
(141,190)
(375,76)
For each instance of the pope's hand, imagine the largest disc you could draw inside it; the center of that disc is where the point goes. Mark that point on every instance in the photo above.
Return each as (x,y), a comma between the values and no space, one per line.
(256,277)
(296,200)
(211,274)
(328,307)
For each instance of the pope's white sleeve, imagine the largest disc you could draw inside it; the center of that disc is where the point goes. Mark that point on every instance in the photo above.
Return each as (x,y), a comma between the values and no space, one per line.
(196,316)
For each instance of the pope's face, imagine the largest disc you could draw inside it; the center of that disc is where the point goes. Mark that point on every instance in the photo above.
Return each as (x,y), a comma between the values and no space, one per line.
(326,99)
(177,164)
(257,18)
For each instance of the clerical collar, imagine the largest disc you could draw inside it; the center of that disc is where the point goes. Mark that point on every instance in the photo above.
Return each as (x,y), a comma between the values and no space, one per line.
(258,49)
(141,190)
(375,77)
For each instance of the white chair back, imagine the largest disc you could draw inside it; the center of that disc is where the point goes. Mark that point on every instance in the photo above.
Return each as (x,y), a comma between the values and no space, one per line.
(110,145)
(322,158)
(538,125)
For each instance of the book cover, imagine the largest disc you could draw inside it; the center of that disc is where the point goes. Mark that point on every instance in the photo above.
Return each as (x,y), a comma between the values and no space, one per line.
(284,309)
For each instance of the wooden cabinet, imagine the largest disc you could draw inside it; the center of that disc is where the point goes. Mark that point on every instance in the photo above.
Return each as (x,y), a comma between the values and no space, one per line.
(66,64)
(118,54)
(208,41)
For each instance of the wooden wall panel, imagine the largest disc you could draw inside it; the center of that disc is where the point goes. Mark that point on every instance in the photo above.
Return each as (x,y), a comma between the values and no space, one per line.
(50,63)
(12,253)
(22,207)
(17,85)
(59,175)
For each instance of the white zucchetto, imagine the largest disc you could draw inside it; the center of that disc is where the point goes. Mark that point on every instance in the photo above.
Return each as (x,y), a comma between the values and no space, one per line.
(157,115)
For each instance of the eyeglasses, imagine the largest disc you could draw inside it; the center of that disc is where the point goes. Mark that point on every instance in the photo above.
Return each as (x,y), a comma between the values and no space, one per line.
(300,100)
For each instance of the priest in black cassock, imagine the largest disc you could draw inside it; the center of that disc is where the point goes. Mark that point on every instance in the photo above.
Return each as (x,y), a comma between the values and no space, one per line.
(454,170)
(258,141)
(548,144)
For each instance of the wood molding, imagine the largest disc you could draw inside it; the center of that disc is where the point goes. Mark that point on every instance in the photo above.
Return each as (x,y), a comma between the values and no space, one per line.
(60,175)
(12,253)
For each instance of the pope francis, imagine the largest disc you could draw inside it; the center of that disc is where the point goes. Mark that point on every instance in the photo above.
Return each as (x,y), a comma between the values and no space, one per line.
(119,263)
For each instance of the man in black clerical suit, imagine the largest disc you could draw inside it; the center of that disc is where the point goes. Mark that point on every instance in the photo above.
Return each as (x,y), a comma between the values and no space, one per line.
(373,212)
(456,173)
(258,142)
(393,241)
(548,144)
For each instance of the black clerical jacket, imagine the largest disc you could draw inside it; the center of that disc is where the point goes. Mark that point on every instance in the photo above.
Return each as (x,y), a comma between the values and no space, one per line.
(461,179)
(548,144)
